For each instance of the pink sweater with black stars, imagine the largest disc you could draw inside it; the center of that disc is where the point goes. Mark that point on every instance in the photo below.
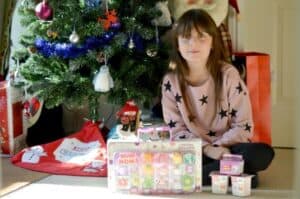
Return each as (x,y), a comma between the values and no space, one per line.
(230,124)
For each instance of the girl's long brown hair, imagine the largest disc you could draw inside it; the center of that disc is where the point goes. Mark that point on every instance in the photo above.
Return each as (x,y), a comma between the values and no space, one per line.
(199,20)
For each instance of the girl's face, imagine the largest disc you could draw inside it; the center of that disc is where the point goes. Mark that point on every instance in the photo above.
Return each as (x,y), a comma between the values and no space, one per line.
(196,47)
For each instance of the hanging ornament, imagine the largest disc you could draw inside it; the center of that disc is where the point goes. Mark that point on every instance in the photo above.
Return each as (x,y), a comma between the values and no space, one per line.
(74,37)
(32,49)
(43,11)
(151,52)
(16,76)
(110,20)
(52,34)
(100,57)
(103,81)
(32,108)
(131,44)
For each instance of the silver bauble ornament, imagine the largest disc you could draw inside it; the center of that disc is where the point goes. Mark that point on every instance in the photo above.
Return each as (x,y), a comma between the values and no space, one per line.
(131,44)
(74,37)
(151,52)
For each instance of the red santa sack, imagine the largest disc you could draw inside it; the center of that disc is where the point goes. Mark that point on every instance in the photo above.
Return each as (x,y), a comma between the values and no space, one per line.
(80,154)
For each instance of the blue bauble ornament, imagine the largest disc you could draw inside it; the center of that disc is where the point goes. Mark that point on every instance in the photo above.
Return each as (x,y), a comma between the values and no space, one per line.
(115,26)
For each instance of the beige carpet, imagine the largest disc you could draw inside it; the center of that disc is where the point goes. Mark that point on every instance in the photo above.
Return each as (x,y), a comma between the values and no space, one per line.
(275,182)
(91,187)
(13,177)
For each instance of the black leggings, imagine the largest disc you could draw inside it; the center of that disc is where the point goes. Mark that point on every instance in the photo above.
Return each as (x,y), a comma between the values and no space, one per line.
(257,157)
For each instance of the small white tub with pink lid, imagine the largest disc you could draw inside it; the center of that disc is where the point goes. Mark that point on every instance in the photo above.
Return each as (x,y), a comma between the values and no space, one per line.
(241,185)
(219,182)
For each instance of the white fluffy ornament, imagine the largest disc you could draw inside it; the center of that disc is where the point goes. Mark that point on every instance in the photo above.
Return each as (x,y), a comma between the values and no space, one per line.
(165,18)
(103,81)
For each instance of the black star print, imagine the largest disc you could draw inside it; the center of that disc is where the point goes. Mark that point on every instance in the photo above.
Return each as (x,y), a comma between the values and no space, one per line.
(212,133)
(182,137)
(178,98)
(239,88)
(223,113)
(247,127)
(233,113)
(172,124)
(167,86)
(203,99)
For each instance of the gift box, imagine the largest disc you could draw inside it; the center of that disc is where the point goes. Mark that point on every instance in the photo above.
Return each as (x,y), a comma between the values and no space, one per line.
(154,132)
(158,167)
(12,134)
(231,164)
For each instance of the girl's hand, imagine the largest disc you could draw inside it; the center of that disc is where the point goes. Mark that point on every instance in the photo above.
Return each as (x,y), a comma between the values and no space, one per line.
(215,152)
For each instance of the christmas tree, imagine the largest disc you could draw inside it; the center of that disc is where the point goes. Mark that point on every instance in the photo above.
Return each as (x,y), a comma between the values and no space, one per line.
(77,50)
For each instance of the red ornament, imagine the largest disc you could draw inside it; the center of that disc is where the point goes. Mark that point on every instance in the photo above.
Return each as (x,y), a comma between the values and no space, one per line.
(31,106)
(43,11)
(111,18)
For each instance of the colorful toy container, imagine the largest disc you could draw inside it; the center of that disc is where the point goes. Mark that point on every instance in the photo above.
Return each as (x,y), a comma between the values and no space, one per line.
(158,167)
(231,164)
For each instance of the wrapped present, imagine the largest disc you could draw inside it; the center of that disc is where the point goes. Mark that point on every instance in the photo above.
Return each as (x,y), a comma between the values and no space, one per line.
(12,130)
(155,167)
(231,164)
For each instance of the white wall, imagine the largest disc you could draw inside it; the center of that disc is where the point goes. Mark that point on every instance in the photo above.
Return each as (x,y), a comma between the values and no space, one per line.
(269,26)
(16,29)
(296,119)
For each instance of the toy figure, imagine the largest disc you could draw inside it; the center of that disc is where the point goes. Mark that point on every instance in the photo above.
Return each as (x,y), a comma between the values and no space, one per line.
(128,117)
